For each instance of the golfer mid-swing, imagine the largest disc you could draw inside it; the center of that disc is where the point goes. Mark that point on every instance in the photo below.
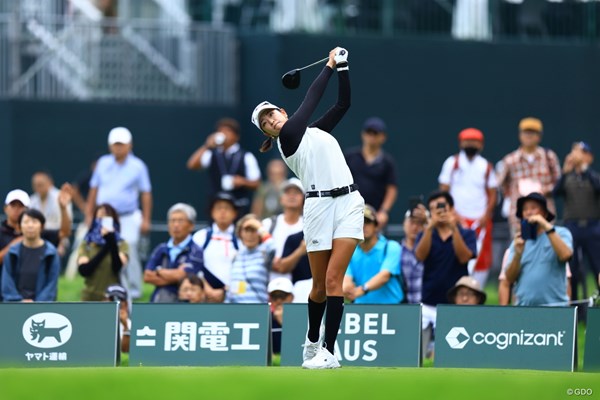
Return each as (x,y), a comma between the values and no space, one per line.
(333,210)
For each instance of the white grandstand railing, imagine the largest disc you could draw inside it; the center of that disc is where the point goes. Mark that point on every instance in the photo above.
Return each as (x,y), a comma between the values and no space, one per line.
(76,56)
(176,12)
(142,45)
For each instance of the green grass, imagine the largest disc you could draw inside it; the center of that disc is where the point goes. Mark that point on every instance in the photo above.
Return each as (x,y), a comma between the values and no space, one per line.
(70,289)
(289,383)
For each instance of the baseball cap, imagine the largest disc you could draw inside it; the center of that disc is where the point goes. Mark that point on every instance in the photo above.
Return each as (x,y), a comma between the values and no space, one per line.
(117,291)
(265,105)
(540,198)
(222,196)
(468,282)
(17,195)
(471,134)
(281,284)
(370,214)
(374,124)
(531,124)
(119,135)
(292,182)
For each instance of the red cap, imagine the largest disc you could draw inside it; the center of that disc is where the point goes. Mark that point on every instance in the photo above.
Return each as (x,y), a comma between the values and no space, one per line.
(470,134)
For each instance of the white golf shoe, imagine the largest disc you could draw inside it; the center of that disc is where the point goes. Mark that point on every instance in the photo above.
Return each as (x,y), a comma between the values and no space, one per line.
(310,348)
(322,360)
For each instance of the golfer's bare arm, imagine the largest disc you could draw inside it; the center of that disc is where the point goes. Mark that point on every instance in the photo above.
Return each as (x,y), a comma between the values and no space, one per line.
(293,130)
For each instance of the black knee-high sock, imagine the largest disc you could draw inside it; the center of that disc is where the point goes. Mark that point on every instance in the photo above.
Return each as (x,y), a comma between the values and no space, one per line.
(333,318)
(315,316)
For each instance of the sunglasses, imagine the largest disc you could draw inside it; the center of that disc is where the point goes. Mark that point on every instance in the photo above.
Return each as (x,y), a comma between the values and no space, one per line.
(249,229)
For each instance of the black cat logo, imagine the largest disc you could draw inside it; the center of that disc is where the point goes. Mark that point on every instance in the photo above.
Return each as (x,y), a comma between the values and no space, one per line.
(40,332)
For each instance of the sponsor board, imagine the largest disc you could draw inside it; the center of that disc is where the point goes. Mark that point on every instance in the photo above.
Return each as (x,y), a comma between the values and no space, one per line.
(505,337)
(58,334)
(591,356)
(369,335)
(200,334)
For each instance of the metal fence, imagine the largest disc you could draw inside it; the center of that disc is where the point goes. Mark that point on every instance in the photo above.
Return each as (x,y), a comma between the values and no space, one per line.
(485,20)
(87,56)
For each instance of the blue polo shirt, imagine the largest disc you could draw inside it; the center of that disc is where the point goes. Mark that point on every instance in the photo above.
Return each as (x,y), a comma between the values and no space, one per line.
(363,266)
(120,184)
(543,278)
(441,268)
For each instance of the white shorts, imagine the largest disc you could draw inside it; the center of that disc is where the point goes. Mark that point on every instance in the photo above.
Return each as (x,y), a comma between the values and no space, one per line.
(328,218)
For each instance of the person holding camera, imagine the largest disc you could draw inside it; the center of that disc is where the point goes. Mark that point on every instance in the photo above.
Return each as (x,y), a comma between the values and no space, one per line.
(231,169)
(445,248)
(122,180)
(579,186)
(102,253)
(538,255)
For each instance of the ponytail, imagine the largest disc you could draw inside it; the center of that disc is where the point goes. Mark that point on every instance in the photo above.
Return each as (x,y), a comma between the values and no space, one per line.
(266,145)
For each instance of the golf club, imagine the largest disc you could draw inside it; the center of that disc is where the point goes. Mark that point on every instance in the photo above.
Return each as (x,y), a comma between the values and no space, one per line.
(291,79)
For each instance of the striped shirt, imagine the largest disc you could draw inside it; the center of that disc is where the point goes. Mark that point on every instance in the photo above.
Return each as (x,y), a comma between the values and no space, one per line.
(517,170)
(412,271)
(250,274)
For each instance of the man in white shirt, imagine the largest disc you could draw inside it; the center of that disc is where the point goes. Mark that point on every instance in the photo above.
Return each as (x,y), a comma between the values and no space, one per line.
(471,181)
(231,169)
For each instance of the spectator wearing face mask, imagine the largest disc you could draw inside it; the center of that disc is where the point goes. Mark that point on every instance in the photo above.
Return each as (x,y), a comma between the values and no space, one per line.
(471,181)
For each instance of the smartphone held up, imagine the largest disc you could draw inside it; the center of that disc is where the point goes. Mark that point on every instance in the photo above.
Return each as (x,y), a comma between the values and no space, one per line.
(528,230)
(107,223)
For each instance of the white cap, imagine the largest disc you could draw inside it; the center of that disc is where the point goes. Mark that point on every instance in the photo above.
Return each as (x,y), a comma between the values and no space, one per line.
(19,195)
(119,135)
(265,105)
(282,284)
(292,182)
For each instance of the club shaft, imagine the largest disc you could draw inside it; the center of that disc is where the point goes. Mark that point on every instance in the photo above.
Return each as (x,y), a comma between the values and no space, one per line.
(315,63)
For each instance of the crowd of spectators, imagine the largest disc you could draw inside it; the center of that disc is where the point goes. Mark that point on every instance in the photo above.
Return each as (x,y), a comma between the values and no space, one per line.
(444,257)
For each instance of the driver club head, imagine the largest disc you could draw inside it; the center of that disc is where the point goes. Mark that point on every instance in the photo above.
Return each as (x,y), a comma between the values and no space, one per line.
(291,79)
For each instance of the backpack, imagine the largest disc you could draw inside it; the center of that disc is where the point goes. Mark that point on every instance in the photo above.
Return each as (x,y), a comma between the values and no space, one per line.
(488,170)
(273,219)
(209,234)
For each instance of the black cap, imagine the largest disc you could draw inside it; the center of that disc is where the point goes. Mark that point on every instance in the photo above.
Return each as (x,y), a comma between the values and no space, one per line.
(374,124)
(535,196)
(223,196)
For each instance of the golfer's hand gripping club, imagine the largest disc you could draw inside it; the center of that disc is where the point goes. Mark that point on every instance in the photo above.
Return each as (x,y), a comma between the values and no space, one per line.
(341,59)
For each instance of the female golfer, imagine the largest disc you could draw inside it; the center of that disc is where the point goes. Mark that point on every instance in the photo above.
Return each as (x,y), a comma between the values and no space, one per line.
(333,210)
